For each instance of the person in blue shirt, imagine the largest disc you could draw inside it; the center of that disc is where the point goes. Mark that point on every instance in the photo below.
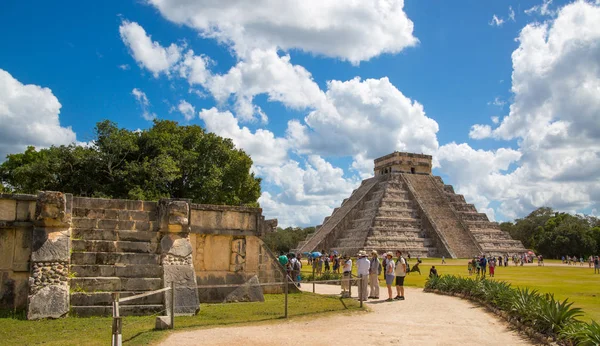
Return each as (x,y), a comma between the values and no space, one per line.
(483,264)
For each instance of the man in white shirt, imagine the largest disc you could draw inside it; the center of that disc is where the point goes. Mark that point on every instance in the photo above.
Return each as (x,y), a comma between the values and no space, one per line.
(362,266)
(400,274)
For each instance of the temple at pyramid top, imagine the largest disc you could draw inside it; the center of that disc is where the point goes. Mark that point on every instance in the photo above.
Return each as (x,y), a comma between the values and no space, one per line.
(403,163)
(404,207)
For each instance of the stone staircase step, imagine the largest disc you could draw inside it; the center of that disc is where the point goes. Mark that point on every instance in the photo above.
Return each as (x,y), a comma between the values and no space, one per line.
(112,246)
(113,258)
(112,284)
(121,235)
(120,204)
(105,298)
(125,310)
(114,214)
(125,271)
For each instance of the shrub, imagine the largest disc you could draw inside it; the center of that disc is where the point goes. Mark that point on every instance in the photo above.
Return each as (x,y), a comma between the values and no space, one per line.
(554,315)
(582,333)
(543,313)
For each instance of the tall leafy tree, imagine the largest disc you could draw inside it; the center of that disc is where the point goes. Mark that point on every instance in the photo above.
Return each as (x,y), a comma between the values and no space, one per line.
(167,160)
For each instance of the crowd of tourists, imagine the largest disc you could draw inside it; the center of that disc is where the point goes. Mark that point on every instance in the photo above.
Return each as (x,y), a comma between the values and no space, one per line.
(393,267)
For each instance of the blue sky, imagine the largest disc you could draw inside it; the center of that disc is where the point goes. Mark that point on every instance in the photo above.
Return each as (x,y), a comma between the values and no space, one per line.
(281,80)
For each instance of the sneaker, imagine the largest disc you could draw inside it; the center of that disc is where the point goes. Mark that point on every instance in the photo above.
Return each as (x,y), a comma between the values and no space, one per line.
(398,298)
(401,298)
(389,300)
(375,297)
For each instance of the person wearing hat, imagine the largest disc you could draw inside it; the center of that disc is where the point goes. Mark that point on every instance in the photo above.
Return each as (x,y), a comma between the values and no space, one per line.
(374,271)
(390,274)
(362,265)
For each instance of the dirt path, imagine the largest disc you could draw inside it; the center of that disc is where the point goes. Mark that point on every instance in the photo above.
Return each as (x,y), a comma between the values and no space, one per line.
(422,319)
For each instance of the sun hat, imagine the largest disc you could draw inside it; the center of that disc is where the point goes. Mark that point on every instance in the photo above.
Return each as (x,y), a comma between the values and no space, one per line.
(374,252)
(389,253)
(361,253)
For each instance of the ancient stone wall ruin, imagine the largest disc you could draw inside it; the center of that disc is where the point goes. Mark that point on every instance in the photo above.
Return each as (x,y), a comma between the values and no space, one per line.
(61,254)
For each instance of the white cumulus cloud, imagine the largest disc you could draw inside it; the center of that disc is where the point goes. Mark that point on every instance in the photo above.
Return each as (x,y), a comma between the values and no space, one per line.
(480,131)
(554,118)
(146,52)
(29,115)
(186,109)
(351,30)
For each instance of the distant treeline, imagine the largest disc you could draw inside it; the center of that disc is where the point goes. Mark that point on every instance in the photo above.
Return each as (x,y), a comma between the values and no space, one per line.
(286,239)
(553,234)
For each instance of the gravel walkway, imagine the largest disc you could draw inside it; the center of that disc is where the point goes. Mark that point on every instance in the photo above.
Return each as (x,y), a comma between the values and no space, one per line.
(421,319)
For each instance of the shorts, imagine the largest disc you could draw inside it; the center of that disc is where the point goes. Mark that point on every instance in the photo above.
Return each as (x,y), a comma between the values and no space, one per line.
(389,279)
(399,280)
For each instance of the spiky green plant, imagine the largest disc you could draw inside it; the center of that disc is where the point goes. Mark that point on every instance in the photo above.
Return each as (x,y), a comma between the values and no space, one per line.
(582,334)
(525,304)
(554,315)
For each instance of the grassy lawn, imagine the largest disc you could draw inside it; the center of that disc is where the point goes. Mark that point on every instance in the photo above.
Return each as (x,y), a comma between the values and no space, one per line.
(139,330)
(579,284)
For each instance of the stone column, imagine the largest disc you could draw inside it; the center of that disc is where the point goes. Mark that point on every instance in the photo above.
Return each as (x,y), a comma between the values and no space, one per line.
(176,255)
(49,278)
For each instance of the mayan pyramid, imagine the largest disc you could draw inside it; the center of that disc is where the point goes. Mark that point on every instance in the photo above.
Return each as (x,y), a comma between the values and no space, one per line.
(404,207)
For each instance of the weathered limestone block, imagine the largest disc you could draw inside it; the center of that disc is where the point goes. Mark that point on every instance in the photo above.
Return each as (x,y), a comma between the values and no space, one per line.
(186,293)
(50,244)
(238,255)
(52,209)
(176,245)
(49,302)
(174,215)
(162,323)
(248,292)
(50,255)
(176,253)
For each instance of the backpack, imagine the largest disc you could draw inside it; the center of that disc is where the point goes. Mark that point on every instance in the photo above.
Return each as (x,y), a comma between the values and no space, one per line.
(296,266)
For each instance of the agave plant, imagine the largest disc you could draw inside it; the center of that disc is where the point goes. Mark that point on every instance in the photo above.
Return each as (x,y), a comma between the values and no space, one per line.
(589,334)
(525,304)
(554,315)
(432,282)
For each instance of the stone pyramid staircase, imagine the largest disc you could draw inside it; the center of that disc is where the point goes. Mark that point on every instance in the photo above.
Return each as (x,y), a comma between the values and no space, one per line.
(491,239)
(114,249)
(397,224)
(449,224)
(381,216)
(341,219)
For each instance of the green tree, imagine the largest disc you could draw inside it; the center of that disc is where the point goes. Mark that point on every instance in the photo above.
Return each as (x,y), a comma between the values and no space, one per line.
(287,239)
(525,229)
(167,160)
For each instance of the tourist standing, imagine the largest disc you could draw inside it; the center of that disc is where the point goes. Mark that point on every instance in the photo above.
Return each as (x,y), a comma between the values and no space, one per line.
(390,274)
(295,269)
(492,265)
(400,275)
(326,264)
(347,273)
(336,264)
(597,265)
(443,259)
(483,264)
(320,264)
(362,268)
(374,271)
